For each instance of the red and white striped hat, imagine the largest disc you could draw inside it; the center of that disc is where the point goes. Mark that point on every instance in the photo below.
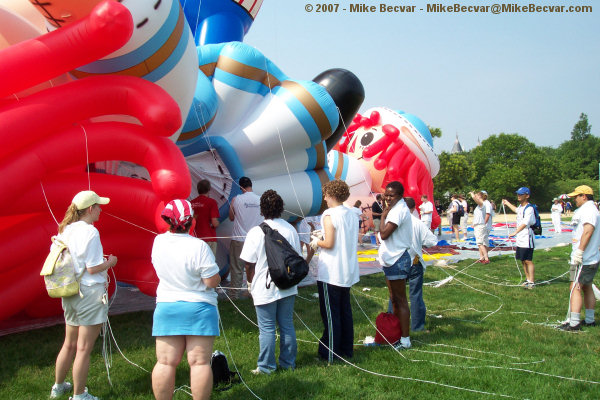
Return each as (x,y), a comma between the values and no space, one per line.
(177,213)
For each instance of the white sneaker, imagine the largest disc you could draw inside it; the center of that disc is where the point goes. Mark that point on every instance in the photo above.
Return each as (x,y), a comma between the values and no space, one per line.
(258,371)
(60,389)
(84,396)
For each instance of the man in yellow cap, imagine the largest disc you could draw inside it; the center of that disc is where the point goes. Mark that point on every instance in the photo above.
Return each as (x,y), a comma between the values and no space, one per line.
(584,258)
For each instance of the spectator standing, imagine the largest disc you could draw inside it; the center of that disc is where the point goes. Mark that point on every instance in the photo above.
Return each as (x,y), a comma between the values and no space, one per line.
(482,214)
(84,314)
(556,211)
(440,211)
(273,305)
(186,318)
(453,211)
(376,210)
(584,258)
(426,209)
(244,211)
(206,213)
(394,254)
(358,211)
(464,220)
(568,208)
(338,271)
(524,234)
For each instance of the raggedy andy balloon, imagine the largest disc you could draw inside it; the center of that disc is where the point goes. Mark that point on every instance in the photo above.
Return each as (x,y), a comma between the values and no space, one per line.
(384,146)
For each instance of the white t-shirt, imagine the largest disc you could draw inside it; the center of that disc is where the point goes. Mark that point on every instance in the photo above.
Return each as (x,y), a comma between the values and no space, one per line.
(421,236)
(181,261)
(254,252)
(426,207)
(339,265)
(399,241)
(525,216)
(315,220)
(480,211)
(556,209)
(83,241)
(246,208)
(587,214)
(356,211)
(303,230)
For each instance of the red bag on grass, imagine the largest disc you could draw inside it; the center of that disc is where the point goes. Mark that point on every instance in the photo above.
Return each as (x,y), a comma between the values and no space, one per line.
(388,327)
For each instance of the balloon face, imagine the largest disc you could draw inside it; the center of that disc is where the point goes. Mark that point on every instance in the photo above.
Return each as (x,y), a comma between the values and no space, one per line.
(393,146)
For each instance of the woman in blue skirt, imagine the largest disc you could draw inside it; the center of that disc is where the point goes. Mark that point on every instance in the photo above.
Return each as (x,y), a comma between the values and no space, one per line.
(186,316)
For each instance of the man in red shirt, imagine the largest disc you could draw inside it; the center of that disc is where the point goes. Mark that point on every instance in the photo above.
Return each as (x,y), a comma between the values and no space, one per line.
(206,212)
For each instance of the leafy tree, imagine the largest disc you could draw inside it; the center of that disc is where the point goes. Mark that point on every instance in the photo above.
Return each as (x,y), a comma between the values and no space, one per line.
(505,162)
(435,132)
(582,129)
(454,176)
(579,156)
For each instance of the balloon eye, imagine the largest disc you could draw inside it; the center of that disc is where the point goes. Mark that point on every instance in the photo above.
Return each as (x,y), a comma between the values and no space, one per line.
(366,139)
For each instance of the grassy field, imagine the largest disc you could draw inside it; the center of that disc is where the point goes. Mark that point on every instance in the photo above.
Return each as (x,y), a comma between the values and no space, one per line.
(487,338)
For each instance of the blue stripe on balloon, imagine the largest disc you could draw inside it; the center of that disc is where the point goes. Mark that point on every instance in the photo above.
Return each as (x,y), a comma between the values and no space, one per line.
(336,160)
(312,158)
(229,157)
(300,112)
(172,60)
(141,53)
(315,183)
(345,167)
(247,85)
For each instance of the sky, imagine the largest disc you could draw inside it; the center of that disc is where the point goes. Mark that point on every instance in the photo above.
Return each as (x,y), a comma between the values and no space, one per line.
(469,74)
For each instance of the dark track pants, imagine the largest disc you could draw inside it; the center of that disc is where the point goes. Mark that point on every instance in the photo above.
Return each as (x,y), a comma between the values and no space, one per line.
(338,328)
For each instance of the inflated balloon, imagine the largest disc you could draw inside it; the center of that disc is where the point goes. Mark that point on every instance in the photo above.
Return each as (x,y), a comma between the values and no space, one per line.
(49,143)
(160,50)
(348,94)
(251,119)
(220,21)
(391,146)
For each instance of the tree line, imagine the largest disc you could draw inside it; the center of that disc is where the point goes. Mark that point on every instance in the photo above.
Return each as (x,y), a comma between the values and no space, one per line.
(505,162)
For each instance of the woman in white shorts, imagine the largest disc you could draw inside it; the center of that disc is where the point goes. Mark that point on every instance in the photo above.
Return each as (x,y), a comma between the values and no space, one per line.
(86,312)
(186,317)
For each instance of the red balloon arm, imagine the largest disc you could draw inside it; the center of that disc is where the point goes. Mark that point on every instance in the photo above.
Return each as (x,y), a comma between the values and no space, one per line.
(108,27)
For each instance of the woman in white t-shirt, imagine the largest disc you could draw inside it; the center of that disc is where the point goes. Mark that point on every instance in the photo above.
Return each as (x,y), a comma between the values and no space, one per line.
(84,313)
(274,306)
(338,271)
(396,239)
(556,211)
(186,316)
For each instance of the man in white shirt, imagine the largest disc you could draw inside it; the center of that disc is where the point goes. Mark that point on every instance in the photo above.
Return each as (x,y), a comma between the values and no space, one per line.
(426,209)
(244,211)
(584,258)
(421,236)
(464,220)
(524,234)
(481,216)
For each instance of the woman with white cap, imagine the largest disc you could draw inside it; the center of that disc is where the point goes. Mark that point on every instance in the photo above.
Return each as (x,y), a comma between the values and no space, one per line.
(84,313)
(186,316)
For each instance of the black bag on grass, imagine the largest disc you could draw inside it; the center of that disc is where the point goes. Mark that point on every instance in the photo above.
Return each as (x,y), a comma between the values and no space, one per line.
(286,267)
(220,369)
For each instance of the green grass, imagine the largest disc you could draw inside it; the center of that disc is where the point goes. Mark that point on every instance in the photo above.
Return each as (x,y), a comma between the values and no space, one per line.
(479,336)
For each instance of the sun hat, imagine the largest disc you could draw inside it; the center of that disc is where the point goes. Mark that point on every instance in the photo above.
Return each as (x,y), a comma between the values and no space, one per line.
(177,213)
(523,190)
(87,198)
(583,189)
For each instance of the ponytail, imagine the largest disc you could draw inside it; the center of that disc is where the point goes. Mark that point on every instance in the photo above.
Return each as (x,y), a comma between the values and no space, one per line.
(72,215)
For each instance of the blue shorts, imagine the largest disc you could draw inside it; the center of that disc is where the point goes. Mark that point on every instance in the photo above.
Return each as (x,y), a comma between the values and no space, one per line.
(400,269)
(185,318)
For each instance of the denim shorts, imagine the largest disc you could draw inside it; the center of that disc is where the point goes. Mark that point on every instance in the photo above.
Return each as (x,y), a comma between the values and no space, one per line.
(400,269)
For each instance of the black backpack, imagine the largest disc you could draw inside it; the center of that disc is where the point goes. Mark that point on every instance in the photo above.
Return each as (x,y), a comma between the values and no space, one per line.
(220,369)
(460,210)
(286,267)
(537,227)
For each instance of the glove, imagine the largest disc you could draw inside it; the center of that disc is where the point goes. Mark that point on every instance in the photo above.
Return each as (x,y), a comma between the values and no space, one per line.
(314,241)
(577,257)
